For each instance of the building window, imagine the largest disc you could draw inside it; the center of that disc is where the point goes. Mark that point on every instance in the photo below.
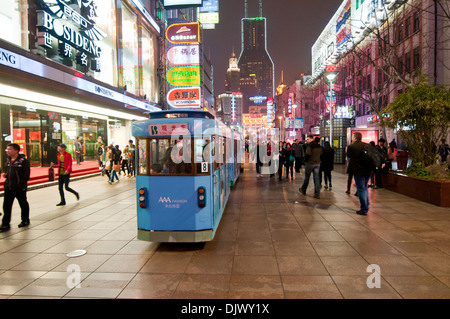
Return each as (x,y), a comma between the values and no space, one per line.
(106,21)
(400,32)
(416,58)
(130,51)
(149,66)
(14,22)
(407,27)
(408,62)
(416,26)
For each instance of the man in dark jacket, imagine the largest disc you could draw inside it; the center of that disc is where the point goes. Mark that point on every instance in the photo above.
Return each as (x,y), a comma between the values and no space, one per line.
(17,175)
(312,165)
(360,168)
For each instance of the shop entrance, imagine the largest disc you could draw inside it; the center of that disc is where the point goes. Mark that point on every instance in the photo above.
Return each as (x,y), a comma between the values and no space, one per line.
(27,132)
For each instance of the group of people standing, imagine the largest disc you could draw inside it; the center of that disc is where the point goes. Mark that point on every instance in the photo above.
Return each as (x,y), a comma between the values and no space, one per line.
(112,160)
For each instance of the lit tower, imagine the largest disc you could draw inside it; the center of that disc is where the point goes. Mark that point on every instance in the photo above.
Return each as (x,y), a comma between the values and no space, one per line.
(233,74)
(255,63)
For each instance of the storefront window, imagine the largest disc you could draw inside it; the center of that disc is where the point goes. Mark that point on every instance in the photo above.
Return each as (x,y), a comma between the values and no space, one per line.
(14,22)
(87,128)
(106,21)
(149,66)
(130,51)
(26,131)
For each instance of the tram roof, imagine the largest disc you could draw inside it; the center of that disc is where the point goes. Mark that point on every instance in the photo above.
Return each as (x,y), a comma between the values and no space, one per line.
(181,114)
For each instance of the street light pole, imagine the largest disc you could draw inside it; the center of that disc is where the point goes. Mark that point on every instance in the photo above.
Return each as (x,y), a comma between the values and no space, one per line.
(331,74)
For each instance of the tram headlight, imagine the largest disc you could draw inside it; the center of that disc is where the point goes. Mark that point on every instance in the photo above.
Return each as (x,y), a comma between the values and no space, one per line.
(142,195)
(201,195)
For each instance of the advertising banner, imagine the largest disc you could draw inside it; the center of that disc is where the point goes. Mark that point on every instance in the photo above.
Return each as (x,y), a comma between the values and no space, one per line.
(343,25)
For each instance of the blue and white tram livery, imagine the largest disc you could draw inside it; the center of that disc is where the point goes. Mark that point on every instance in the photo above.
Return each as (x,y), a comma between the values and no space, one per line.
(186,162)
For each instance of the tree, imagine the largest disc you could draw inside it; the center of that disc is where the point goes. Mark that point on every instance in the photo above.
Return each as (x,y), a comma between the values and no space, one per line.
(422,118)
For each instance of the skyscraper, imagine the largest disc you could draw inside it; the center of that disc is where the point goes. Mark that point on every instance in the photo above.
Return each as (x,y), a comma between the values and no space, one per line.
(255,63)
(233,75)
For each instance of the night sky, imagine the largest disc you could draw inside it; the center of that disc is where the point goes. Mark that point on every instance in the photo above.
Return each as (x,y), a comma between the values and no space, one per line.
(292,28)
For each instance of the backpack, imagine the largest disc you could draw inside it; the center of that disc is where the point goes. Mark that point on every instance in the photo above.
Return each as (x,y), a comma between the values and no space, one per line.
(370,157)
(443,150)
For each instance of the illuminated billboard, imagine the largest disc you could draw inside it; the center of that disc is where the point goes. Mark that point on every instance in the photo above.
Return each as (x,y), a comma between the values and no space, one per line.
(343,25)
(184,76)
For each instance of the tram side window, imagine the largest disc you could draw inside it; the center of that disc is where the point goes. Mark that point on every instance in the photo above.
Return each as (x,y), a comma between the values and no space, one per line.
(142,157)
(170,157)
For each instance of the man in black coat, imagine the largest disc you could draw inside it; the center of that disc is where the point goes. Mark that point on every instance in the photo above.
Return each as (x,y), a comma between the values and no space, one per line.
(361,171)
(17,176)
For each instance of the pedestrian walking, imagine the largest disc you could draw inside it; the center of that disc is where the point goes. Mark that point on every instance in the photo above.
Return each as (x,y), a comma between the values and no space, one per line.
(327,164)
(100,150)
(312,165)
(17,175)
(125,162)
(289,160)
(361,168)
(78,150)
(383,154)
(281,160)
(299,155)
(65,168)
(115,159)
(131,154)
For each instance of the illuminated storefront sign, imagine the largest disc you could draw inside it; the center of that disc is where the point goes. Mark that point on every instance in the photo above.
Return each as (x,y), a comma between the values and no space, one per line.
(208,17)
(258,99)
(184,54)
(183,33)
(184,76)
(74,31)
(184,97)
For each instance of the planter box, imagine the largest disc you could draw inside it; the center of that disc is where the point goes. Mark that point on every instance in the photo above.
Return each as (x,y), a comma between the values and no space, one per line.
(434,192)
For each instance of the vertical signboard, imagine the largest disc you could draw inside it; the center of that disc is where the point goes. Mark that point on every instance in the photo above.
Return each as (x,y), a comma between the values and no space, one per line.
(183,58)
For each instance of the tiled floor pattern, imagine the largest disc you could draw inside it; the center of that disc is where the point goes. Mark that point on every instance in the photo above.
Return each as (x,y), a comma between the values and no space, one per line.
(272,243)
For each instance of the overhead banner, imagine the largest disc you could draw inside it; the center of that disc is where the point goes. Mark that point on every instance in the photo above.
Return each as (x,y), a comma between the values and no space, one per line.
(184,55)
(184,97)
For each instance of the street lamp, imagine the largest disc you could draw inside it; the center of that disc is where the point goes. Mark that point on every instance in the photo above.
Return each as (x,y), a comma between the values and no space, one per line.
(331,74)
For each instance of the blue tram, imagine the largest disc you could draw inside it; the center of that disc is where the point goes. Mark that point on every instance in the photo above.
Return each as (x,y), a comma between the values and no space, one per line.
(186,163)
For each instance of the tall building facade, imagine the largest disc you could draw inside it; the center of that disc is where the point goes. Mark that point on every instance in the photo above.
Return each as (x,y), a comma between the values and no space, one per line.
(233,75)
(380,49)
(255,64)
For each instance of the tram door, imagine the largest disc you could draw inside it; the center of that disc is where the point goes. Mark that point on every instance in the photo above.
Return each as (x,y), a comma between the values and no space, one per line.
(218,177)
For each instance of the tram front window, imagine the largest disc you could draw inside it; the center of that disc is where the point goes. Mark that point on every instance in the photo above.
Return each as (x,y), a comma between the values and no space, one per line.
(170,157)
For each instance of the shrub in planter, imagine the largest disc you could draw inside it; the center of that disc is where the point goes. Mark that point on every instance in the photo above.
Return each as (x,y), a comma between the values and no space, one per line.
(422,118)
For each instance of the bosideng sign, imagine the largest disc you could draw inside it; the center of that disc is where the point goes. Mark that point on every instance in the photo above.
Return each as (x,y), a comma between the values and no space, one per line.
(72,23)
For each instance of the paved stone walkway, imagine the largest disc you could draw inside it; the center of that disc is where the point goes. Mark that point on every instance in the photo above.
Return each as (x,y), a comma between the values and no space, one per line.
(272,243)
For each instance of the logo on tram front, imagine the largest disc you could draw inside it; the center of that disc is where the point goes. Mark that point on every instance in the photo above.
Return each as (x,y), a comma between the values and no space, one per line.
(164,200)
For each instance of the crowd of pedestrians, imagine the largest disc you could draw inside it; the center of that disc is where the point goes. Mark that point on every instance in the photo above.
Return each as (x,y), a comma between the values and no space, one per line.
(318,161)
(112,160)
